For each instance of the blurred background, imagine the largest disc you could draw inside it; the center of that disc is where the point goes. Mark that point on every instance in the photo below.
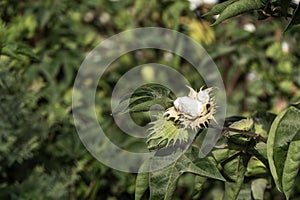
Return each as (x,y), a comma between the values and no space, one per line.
(44,42)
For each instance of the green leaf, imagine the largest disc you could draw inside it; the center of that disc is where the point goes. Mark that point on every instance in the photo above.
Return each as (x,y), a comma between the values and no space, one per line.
(291,167)
(236,137)
(260,151)
(235,169)
(232,119)
(144,98)
(171,15)
(258,187)
(27,51)
(9,52)
(206,168)
(142,181)
(237,8)
(3,35)
(262,122)
(221,155)
(296,104)
(163,182)
(218,8)
(198,184)
(284,128)
(14,51)
(295,19)
(245,191)
(243,124)
(255,167)
(145,106)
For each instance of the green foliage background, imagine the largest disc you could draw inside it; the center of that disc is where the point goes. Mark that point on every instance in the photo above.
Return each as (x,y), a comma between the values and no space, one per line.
(42,44)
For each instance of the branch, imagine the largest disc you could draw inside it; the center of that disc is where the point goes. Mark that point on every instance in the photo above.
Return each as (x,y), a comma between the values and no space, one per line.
(243,132)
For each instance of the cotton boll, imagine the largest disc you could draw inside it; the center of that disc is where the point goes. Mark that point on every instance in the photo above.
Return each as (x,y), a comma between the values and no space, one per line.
(193,111)
(203,97)
(188,106)
(249,27)
(192,93)
(285,47)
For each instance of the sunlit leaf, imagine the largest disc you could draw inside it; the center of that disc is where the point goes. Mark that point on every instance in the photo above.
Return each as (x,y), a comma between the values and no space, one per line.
(237,8)
(198,185)
(284,128)
(218,8)
(262,122)
(237,137)
(221,155)
(171,15)
(163,182)
(255,167)
(245,191)
(243,124)
(235,169)
(200,31)
(260,152)
(9,52)
(258,187)
(3,35)
(27,51)
(291,167)
(142,181)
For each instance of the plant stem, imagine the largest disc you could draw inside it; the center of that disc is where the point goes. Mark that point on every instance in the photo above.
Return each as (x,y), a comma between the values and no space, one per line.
(243,132)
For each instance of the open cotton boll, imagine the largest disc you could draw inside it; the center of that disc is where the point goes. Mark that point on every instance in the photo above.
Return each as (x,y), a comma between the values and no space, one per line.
(193,111)
(188,113)
(203,96)
(192,93)
(188,105)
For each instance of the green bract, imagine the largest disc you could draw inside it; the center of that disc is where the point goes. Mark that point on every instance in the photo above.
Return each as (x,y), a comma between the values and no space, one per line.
(164,133)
